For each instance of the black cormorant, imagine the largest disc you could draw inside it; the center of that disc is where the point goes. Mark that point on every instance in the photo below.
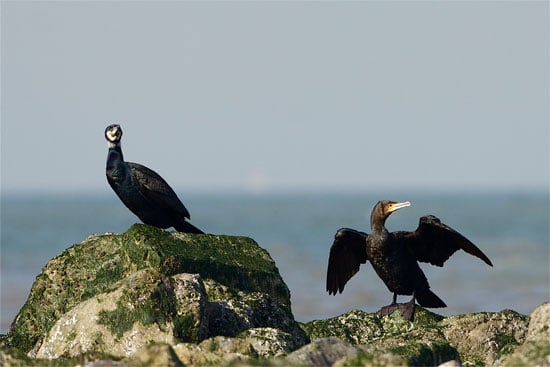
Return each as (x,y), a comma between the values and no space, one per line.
(142,190)
(394,256)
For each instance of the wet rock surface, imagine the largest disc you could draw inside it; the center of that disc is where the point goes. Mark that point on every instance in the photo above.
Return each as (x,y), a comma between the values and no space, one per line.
(151,297)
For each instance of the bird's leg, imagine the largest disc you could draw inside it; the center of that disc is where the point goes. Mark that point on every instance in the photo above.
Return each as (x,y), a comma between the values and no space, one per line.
(394,298)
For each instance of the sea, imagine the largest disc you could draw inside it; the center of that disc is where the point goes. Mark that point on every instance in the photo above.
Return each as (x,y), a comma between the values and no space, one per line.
(297,229)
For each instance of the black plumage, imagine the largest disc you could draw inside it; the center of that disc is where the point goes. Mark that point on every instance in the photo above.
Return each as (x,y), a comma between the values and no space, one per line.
(142,190)
(394,256)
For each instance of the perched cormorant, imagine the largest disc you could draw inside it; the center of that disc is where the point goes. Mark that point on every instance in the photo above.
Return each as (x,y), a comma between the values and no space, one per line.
(394,256)
(142,190)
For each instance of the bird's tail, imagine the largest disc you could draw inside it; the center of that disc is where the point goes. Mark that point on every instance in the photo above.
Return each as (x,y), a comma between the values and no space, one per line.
(187,227)
(427,298)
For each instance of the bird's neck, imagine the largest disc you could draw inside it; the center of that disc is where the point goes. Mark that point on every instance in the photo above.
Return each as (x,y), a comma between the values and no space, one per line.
(115,152)
(115,161)
(377,225)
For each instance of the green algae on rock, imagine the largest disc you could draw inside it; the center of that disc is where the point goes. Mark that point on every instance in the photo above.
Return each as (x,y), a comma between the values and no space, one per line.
(395,338)
(359,327)
(355,327)
(95,265)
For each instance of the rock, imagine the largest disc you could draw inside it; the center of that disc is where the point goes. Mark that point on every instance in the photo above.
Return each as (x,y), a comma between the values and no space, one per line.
(452,363)
(482,338)
(93,267)
(374,358)
(120,322)
(9,358)
(194,355)
(150,297)
(420,343)
(539,324)
(230,312)
(256,343)
(535,351)
(322,352)
(155,355)
(356,327)
(388,341)
(106,363)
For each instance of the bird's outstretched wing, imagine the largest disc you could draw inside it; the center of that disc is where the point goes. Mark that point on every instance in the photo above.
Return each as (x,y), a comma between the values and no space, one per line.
(434,242)
(153,187)
(348,252)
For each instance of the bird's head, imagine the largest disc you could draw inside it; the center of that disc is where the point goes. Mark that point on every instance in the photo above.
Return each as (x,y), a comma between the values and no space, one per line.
(113,134)
(383,209)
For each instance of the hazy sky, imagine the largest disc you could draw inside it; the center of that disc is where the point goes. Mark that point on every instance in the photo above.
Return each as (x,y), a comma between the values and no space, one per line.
(277,95)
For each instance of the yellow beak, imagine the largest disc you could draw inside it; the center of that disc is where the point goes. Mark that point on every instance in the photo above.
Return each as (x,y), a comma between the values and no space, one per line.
(396,206)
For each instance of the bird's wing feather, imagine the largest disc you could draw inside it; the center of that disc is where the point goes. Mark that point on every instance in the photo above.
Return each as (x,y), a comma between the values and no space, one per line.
(153,187)
(434,242)
(347,253)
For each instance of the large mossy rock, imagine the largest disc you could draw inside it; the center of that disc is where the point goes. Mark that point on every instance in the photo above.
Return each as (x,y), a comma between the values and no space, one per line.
(135,279)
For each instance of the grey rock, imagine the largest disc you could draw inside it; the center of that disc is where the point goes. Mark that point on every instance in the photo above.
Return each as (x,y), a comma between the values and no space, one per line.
(482,338)
(146,308)
(155,355)
(451,363)
(251,345)
(539,324)
(322,352)
(535,351)
(119,322)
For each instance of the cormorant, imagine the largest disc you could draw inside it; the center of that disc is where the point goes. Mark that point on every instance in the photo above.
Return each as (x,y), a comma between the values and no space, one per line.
(142,190)
(394,256)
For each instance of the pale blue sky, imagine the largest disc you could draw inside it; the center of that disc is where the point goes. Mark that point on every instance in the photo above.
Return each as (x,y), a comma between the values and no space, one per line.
(277,95)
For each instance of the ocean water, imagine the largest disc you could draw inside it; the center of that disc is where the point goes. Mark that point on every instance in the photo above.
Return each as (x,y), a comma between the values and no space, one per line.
(297,229)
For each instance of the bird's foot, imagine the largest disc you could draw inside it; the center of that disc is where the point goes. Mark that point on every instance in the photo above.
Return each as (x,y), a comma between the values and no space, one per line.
(406,310)
(387,310)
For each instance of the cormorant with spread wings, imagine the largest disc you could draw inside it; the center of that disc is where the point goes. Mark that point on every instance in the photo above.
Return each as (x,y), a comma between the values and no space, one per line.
(394,256)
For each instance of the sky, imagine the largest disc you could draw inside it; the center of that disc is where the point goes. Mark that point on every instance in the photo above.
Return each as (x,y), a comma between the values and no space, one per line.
(266,96)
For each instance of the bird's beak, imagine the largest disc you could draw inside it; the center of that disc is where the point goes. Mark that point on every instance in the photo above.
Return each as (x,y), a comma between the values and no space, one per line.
(396,206)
